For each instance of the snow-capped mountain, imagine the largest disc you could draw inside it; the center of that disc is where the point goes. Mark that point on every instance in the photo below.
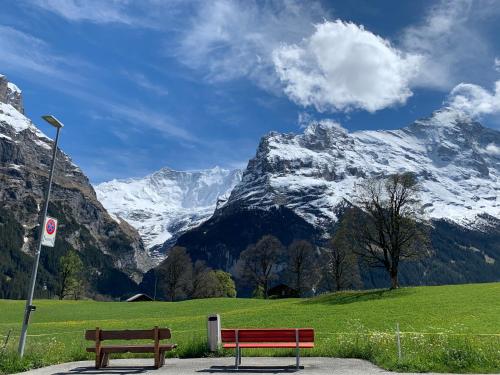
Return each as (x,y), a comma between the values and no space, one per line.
(167,203)
(456,159)
(297,186)
(109,250)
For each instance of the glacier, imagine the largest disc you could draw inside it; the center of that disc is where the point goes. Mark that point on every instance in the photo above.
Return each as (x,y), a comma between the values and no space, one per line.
(167,203)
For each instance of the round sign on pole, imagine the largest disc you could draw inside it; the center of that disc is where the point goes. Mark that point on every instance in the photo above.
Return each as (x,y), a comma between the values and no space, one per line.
(49,232)
(51,226)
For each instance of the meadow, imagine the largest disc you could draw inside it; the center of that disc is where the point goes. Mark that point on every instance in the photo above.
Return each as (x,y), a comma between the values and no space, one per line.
(443,328)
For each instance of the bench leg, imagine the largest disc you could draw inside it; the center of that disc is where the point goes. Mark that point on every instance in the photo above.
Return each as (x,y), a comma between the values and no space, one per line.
(157,360)
(97,360)
(297,360)
(105,360)
(237,358)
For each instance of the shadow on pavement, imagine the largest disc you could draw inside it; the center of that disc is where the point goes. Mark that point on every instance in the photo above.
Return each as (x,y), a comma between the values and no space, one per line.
(107,370)
(252,369)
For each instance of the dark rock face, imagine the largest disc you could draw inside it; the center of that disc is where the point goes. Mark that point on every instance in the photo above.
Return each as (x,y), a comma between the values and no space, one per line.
(106,246)
(220,240)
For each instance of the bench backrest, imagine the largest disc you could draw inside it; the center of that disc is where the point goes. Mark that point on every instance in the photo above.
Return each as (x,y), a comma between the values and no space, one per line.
(127,334)
(268,335)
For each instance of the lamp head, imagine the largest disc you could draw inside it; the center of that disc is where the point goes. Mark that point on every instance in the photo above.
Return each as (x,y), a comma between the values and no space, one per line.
(53,121)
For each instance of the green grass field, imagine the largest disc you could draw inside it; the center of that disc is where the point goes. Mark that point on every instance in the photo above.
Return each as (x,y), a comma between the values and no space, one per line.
(445,328)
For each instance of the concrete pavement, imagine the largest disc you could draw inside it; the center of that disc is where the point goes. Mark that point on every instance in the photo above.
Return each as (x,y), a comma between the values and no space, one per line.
(199,366)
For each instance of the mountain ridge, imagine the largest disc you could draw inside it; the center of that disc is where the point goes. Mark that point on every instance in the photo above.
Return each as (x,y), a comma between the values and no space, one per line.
(167,203)
(314,171)
(306,181)
(109,250)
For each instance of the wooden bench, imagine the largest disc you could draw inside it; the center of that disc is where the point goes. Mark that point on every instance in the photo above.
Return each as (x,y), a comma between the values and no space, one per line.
(102,352)
(280,338)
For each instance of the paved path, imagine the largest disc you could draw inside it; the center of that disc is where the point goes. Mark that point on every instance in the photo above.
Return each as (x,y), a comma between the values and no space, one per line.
(199,366)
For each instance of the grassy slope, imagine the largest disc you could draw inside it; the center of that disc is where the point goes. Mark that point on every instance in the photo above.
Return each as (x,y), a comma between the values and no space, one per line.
(346,324)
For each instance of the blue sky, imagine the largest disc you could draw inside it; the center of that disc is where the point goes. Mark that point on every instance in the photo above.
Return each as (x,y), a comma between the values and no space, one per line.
(192,84)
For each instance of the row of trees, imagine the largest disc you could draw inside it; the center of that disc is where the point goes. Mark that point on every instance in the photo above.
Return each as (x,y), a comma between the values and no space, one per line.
(302,266)
(179,278)
(382,231)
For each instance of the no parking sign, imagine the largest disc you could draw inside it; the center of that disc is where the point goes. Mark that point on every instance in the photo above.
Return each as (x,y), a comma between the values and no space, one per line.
(49,232)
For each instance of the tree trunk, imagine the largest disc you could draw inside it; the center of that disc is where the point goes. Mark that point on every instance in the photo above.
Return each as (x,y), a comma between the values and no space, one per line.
(394,279)
(337,283)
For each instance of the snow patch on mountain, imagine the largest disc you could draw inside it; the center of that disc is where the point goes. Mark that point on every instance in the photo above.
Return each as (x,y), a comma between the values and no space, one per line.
(315,172)
(167,203)
(17,120)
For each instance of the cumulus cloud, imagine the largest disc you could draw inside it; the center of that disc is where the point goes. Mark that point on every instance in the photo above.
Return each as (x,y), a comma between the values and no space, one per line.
(474,100)
(230,39)
(342,66)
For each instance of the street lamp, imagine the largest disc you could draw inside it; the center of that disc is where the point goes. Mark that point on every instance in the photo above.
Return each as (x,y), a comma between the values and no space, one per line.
(29,301)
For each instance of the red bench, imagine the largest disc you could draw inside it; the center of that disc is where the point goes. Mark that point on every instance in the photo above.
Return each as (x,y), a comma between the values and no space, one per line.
(280,338)
(102,352)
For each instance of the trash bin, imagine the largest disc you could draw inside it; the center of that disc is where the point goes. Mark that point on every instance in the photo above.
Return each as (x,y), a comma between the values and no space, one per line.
(213,331)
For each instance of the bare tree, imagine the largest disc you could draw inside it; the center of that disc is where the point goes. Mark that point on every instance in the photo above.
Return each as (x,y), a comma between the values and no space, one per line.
(176,274)
(388,229)
(302,266)
(258,265)
(340,267)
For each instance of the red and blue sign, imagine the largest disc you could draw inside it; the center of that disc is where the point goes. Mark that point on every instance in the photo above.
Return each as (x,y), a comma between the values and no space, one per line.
(49,232)
(50,227)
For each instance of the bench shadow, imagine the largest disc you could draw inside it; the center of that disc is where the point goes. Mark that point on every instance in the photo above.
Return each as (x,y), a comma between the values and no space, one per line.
(107,370)
(347,297)
(252,369)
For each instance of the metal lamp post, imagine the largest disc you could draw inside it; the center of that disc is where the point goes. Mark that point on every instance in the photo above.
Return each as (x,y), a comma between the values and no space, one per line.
(29,301)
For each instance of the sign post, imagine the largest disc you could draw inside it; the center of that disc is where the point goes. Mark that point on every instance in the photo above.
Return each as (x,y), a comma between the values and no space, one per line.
(47,232)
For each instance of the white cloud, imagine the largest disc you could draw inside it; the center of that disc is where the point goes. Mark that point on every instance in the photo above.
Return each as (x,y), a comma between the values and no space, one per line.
(492,149)
(474,100)
(150,14)
(342,66)
(451,43)
(228,39)
(97,11)
(142,81)
(145,117)
(24,53)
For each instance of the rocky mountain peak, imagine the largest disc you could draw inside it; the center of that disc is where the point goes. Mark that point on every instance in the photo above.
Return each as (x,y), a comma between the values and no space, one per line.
(166,203)
(456,159)
(11,94)
(84,224)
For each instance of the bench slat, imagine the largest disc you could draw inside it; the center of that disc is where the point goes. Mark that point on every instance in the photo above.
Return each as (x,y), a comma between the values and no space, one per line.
(278,345)
(135,334)
(267,335)
(133,348)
